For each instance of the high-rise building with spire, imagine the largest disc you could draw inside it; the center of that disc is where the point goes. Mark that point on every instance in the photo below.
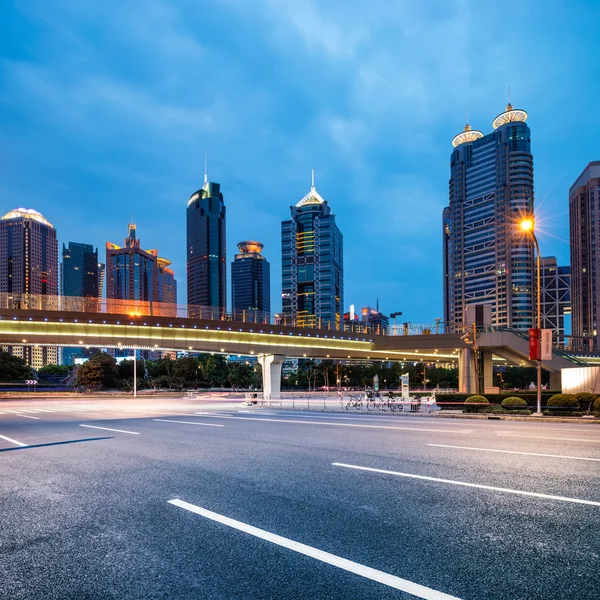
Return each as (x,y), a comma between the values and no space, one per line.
(312,264)
(206,248)
(486,259)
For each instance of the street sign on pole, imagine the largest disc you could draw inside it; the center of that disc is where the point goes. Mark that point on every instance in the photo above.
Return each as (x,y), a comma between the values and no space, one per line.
(405,390)
(546,344)
(534,344)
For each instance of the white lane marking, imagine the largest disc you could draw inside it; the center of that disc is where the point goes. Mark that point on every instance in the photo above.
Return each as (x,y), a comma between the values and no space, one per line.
(27,416)
(514,452)
(4,437)
(109,429)
(420,591)
(188,422)
(45,410)
(472,485)
(260,412)
(341,424)
(546,437)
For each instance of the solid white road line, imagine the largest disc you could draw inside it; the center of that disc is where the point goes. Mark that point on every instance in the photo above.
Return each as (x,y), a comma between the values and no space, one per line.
(472,485)
(342,424)
(109,429)
(514,452)
(188,422)
(27,416)
(420,591)
(4,437)
(548,437)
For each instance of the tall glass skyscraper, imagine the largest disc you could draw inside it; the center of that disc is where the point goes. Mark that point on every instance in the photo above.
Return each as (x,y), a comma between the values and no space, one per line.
(167,286)
(312,265)
(584,213)
(80,275)
(206,248)
(131,271)
(486,259)
(28,265)
(251,279)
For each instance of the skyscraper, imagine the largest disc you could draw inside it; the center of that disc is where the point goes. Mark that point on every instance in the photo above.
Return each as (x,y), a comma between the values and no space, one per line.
(206,248)
(312,265)
(555,299)
(251,279)
(584,213)
(28,265)
(166,285)
(80,276)
(131,271)
(486,261)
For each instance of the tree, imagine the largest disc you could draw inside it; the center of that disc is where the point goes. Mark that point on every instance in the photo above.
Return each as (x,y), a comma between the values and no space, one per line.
(108,368)
(90,376)
(13,368)
(63,370)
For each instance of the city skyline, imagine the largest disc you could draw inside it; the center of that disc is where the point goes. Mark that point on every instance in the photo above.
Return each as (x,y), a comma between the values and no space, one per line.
(383,124)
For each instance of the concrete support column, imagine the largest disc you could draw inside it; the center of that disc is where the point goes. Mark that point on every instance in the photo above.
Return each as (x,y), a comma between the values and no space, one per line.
(555,381)
(271,375)
(467,381)
(470,374)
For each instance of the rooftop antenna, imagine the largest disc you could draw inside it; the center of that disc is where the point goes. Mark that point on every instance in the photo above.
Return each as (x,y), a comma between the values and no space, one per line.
(377,304)
(509,95)
(205,171)
(312,187)
(467,111)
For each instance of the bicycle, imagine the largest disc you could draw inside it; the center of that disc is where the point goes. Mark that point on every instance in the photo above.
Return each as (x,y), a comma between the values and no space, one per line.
(354,403)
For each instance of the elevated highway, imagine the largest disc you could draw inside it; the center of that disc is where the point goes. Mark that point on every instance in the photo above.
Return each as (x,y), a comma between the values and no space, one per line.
(48,321)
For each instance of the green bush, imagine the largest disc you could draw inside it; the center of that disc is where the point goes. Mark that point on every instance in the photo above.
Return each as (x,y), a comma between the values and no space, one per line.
(596,406)
(514,402)
(585,399)
(472,402)
(563,401)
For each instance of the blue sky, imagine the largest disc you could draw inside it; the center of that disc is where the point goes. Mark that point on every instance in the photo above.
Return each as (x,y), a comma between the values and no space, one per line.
(106,108)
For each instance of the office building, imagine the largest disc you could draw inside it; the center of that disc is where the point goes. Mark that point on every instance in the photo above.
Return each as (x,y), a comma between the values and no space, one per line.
(251,281)
(131,271)
(80,278)
(487,260)
(312,265)
(80,275)
(206,248)
(166,284)
(584,216)
(28,268)
(555,299)
(376,321)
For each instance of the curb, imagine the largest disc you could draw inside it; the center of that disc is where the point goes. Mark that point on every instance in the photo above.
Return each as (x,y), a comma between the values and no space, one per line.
(492,417)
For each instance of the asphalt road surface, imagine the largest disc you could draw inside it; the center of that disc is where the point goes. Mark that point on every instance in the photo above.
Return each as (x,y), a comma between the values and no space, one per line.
(174,499)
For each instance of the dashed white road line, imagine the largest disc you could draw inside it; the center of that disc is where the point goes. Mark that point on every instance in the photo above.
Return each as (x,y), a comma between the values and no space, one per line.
(420,591)
(471,485)
(27,416)
(514,452)
(331,424)
(188,422)
(5,437)
(109,429)
(547,437)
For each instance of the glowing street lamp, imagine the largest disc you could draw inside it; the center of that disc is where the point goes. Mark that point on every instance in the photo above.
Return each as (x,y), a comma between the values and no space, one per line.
(527,225)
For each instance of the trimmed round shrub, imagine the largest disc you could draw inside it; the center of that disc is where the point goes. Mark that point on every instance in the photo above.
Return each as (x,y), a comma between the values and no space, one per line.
(514,402)
(585,399)
(563,401)
(597,404)
(472,402)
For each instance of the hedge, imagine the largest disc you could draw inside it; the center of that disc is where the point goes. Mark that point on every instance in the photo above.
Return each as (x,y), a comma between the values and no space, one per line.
(453,401)
(513,402)
(563,401)
(471,403)
(585,399)
(597,404)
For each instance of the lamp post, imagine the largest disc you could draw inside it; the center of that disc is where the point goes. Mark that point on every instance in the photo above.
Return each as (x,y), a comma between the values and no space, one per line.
(528,226)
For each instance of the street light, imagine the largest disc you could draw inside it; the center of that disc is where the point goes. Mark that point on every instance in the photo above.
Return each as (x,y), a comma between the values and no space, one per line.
(528,227)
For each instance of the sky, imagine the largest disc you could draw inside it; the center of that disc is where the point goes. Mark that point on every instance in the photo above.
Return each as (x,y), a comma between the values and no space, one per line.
(107,107)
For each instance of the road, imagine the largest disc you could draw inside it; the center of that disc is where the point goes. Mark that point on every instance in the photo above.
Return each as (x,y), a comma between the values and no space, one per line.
(114,499)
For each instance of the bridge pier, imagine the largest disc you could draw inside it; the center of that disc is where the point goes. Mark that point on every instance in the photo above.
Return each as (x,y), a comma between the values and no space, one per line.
(271,375)
(474,377)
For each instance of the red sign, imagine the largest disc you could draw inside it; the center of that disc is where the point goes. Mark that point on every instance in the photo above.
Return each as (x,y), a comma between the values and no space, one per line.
(534,344)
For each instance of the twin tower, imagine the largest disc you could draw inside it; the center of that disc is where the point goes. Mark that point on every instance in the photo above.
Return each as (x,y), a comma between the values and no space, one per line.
(312,262)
